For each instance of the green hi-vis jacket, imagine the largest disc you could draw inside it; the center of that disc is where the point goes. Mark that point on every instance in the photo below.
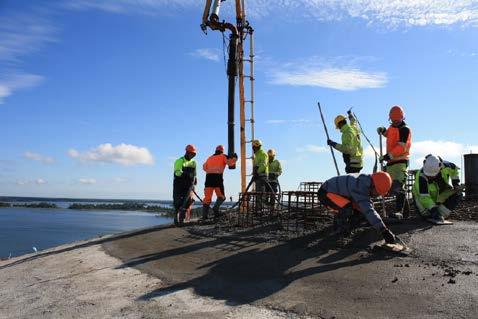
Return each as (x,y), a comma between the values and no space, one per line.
(430,193)
(351,146)
(184,167)
(275,170)
(261,163)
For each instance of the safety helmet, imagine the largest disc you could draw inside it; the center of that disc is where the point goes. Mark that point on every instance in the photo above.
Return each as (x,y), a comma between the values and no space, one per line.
(190,148)
(338,119)
(382,182)
(257,143)
(220,148)
(396,113)
(431,166)
(271,152)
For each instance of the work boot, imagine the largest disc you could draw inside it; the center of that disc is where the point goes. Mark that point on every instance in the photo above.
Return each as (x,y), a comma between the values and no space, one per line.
(403,206)
(181,216)
(205,211)
(388,236)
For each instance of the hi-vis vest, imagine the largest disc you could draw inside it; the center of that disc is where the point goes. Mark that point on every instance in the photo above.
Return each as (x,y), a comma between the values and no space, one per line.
(399,142)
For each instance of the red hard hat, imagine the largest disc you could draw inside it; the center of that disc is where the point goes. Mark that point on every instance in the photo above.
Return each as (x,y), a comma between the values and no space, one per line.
(382,182)
(396,113)
(191,148)
(220,148)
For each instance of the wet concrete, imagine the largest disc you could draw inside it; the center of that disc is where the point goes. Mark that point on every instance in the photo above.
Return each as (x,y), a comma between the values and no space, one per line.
(314,274)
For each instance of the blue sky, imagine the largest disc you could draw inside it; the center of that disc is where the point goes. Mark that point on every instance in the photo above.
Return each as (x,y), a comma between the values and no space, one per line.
(97,98)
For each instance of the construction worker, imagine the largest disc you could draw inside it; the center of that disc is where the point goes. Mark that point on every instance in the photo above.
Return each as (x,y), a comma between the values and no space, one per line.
(260,169)
(214,168)
(351,147)
(399,141)
(352,194)
(275,170)
(434,196)
(184,181)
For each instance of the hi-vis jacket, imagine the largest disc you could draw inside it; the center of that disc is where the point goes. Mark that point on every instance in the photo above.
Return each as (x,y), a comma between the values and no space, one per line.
(399,142)
(430,193)
(184,168)
(216,164)
(451,172)
(275,170)
(214,168)
(261,163)
(351,146)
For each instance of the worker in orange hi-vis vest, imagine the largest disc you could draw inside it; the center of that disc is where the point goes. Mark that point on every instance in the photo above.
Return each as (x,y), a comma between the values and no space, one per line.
(399,142)
(214,168)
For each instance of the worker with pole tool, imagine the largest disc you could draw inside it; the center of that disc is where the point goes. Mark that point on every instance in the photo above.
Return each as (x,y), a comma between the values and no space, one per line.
(214,168)
(275,170)
(183,185)
(351,147)
(352,194)
(434,196)
(260,169)
(399,141)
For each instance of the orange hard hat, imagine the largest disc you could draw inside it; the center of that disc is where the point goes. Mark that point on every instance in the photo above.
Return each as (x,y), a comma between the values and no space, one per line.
(190,148)
(396,113)
(382,182)
(220,148)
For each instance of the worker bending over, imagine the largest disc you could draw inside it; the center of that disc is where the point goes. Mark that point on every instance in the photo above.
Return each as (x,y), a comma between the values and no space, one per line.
(184,181)
(351,147)
(214,168)
(399,141)
(352,194)
(437,189)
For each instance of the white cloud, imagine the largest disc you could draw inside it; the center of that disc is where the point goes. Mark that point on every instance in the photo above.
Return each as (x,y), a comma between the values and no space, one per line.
(312,149)
(124,154)
(87,181)
(446,149)
(40,181)
(13,82)
(344,79)
(208,54)
(131,6)
(390,13)
(39,157)
(22,34)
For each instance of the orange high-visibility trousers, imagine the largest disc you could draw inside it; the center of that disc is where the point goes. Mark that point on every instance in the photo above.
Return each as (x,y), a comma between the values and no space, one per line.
(208,191)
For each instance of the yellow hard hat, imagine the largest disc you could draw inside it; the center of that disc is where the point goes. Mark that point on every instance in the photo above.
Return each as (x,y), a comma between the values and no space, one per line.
(271,152)
(257,143)
(338,119)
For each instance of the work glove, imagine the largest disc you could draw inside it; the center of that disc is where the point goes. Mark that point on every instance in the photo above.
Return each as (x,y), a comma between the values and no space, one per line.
(331,143)
(455,183)
(388,236)
(381,130)
(385,158)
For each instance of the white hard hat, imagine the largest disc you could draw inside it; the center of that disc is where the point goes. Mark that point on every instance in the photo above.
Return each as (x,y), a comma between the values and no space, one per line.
(431,166)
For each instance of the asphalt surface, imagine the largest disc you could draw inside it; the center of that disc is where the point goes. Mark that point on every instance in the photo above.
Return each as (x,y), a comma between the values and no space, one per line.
(315,275)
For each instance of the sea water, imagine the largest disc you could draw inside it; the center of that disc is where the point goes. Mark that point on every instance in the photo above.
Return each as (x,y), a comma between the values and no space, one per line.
(22,230)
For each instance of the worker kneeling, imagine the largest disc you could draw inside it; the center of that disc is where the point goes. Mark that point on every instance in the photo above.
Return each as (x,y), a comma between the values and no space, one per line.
(434,196)
(349,194)
(214,168)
